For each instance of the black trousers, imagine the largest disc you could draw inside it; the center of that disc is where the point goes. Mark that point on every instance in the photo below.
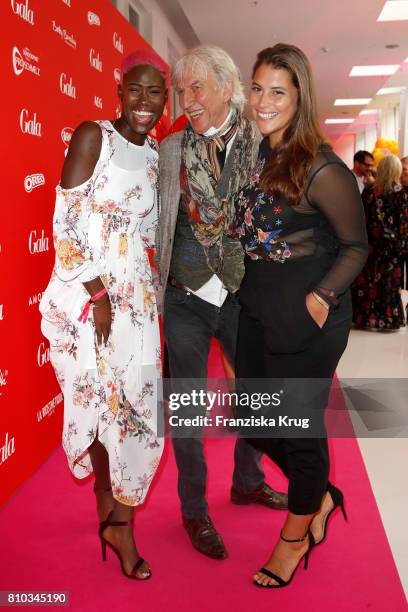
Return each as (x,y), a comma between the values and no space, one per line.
(278,339)
(189,325)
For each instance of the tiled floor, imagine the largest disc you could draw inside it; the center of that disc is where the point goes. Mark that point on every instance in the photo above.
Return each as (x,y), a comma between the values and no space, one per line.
(384,355)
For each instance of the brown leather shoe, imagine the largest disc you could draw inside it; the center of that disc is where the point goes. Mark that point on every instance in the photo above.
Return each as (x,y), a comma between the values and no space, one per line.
(264,495)
(205,538)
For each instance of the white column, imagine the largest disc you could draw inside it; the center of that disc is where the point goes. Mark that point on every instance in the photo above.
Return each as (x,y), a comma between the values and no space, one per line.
(123,7)
(370,136)
(389,129)
(360,140)
(403,131)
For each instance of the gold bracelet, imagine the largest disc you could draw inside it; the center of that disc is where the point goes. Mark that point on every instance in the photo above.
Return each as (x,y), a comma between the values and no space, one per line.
(320,300)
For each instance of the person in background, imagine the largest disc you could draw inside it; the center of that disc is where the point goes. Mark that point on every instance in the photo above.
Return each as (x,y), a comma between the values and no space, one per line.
(98,311)
(370,177)
(404,174)
(404,258)
(300,221)
(376,291)
(201,266)
(363,162)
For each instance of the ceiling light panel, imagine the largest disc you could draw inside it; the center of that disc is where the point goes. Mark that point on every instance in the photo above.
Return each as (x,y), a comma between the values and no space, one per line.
(368,111)
(394,10)
(352,101)
(386,70)
(333,121)
(385,91)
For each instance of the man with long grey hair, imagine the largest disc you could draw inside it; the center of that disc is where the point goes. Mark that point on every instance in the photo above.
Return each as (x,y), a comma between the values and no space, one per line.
(201,266)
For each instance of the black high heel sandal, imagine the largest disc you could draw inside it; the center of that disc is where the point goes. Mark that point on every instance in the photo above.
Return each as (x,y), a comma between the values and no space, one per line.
(281,582)
(338,501)
(104,543)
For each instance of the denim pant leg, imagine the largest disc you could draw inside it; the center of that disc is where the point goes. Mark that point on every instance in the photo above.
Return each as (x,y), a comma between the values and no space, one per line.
(248,474)
(187,331)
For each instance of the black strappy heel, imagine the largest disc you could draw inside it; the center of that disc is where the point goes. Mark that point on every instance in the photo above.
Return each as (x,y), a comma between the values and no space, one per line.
(109,523)
(278,579)
(338,501)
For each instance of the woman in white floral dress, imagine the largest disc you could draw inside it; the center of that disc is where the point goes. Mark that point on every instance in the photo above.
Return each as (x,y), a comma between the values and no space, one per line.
(108,363)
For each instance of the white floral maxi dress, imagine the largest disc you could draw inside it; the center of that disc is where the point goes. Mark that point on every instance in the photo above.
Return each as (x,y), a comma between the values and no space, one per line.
(102,228)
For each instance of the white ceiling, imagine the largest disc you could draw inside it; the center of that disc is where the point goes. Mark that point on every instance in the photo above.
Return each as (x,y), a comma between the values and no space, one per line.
(347,29)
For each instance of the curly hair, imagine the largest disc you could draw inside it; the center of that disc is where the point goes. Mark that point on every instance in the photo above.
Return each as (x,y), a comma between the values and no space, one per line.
(209,59)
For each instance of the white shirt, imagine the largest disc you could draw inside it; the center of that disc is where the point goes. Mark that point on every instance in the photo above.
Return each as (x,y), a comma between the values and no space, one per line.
(360,182)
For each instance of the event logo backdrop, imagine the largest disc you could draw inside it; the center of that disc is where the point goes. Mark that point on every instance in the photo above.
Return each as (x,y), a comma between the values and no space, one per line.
(60,63)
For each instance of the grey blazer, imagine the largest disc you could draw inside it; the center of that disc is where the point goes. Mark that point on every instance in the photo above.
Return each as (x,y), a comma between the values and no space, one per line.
(169,200)
(169,171)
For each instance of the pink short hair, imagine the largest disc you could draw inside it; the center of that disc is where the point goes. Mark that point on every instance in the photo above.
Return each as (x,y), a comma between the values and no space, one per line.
(143,57)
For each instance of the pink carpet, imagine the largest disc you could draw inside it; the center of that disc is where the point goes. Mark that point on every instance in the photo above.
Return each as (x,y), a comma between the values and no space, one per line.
(49,542)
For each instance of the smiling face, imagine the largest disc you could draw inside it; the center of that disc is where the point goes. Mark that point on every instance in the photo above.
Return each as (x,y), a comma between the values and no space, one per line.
(143,94)
(362,169)
(274,101)
(204,104)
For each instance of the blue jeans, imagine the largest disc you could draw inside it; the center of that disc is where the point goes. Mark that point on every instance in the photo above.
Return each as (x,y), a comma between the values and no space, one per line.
(189,325)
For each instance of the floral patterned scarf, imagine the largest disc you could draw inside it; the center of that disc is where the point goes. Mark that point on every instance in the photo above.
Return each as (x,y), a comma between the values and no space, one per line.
(211,214)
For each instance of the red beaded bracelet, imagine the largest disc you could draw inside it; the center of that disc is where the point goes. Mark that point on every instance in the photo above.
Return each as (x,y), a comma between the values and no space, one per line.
(84,314)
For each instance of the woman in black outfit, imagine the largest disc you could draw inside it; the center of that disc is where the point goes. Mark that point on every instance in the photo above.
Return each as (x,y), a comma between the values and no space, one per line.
(301,223)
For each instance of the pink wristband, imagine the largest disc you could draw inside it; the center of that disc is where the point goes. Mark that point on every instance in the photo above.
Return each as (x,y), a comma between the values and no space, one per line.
(84,314)
(98,295)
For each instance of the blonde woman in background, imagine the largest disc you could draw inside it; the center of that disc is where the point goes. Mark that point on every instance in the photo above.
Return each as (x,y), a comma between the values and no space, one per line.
(376,291)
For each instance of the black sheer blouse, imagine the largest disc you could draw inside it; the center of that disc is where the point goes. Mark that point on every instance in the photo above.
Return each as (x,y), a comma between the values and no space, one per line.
(329,218)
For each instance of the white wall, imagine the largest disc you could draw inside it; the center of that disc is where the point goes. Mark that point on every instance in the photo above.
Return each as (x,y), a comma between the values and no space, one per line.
(389,123)
(344,147)
(367,136)
(371,135)
(403,130)
(156,28)
(159,33)
(360,142)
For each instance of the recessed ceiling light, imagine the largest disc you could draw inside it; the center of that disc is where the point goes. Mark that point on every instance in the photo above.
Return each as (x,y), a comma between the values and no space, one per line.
(386,70)
(394,11)
(332,121)
(352,101)
(369,111)
(384,91)
(406,60)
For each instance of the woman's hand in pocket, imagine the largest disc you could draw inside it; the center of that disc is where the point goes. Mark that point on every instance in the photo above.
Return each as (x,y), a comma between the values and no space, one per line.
(317,311)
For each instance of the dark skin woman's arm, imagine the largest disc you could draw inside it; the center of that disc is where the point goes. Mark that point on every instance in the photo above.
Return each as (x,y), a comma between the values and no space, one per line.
(83,154)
